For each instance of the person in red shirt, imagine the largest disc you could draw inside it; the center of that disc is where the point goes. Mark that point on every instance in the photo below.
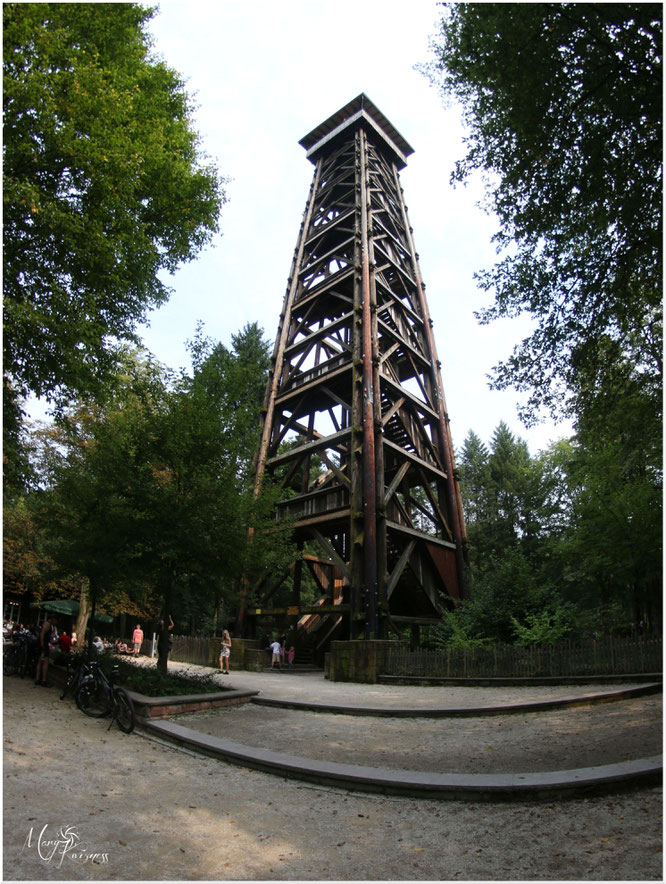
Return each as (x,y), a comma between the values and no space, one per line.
(137,639)
(64,642)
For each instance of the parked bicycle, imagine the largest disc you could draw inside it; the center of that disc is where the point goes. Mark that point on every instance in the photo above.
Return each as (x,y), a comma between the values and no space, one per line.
(97,696)
(77,670)
(18,656)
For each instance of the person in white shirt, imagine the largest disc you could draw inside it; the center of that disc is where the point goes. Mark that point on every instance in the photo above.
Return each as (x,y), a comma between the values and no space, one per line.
(276,648)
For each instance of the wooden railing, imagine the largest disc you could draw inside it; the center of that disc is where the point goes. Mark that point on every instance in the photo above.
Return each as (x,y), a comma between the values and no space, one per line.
(190,649)
(604,656)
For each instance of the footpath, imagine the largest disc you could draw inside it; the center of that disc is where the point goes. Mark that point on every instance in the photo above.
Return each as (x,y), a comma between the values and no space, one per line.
(418,746)
(85,803)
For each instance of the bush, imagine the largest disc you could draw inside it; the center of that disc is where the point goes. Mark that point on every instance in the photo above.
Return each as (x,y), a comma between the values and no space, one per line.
(148,680)
(544,628)
(453,632)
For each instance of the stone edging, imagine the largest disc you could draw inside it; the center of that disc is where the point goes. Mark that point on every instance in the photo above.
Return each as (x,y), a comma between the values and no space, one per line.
(163,707)
(541,681)
(463,711)
(420,784)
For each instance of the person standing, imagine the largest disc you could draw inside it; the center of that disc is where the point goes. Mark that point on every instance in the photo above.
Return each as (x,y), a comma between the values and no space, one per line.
(161,649)
(64,642)
(277,658)
(137,639)
(225,652)
(45,634)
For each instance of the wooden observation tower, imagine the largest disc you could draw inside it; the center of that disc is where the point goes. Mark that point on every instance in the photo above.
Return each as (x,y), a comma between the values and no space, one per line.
(355,424)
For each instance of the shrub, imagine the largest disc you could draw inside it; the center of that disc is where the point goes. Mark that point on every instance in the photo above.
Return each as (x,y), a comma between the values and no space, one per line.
(148,680)
(544,628)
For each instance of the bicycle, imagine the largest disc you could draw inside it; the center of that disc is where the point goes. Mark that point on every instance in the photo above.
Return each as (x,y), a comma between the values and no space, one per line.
(98,697)
(75,677)
(18,656)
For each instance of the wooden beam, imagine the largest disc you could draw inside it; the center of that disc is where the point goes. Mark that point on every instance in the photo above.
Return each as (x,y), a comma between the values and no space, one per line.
(341,476)
(414,459)
(399,568)
(299,610)
(419,535)
(330,549)
(310,447)
(397,479)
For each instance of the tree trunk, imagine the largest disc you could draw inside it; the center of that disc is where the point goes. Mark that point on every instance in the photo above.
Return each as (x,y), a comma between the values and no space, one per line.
(216,612)
(92,627)
(163,635)
(82,619)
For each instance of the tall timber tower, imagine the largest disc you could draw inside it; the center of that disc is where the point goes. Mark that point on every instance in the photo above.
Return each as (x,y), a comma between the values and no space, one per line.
(355,424)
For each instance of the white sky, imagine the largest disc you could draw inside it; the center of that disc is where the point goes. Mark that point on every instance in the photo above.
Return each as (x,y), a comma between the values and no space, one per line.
(263,74)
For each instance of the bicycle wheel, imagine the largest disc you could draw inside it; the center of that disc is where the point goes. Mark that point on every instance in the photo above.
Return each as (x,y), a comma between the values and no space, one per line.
(9,662)
(92,699)
(69,686)
(124,710)
(22,665)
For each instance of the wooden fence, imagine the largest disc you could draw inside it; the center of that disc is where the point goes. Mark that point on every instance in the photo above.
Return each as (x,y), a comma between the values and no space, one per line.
(190,649)
(605,656)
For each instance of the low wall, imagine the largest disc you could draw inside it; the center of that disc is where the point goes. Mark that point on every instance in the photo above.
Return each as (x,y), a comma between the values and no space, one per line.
(358,661)
(244,654)
(164,707)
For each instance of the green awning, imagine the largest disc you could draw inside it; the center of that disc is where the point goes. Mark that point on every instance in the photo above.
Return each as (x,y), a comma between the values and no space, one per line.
(69,607)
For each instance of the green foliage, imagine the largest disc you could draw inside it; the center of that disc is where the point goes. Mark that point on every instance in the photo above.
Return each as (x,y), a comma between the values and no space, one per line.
(564,107)
(579,524)
(148,680)
(610,619)
(505,493)
(455,632)
(104,187)
(152,497)
(151,682)
(544,628)
(505,586)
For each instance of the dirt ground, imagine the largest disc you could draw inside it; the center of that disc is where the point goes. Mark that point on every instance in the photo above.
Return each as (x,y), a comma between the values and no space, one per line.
(85,803)
(555,740)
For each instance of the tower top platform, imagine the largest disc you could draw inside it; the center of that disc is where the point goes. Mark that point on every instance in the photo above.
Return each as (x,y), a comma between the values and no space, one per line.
(359,111)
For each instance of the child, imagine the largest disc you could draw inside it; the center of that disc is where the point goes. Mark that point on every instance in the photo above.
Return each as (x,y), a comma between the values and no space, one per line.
(291,654)
(275,648)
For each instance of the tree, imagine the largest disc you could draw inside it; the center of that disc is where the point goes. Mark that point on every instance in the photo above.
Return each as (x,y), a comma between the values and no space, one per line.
(508,500)
(87,524)
(105,186)
(500,493)
(27,568)
(611,548)
(152,494)
(564,107)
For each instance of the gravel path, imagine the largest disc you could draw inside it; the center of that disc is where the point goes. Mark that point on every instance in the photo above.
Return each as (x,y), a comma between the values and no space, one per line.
(555,740)
(314,687)
(122,807)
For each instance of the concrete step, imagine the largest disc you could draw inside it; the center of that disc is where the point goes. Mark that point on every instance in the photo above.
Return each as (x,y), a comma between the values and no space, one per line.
(421,784)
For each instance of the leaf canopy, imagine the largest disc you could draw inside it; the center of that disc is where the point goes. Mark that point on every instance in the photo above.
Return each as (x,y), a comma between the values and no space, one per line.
(105,186)
(564,107)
